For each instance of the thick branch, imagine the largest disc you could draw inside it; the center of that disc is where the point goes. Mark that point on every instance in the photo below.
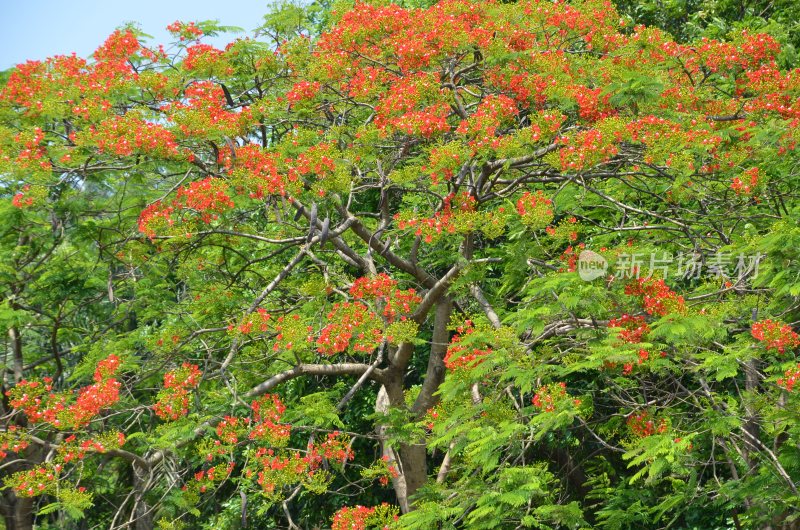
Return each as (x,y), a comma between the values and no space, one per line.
(313,369)
(521,160)
(488,310)
(436,369)
(436,292)
(381,248)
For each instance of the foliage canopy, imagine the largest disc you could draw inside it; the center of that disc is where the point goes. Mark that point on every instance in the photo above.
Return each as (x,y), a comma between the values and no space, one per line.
(342,275)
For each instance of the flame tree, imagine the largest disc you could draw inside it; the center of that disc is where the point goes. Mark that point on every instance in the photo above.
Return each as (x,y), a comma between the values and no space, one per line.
(334,278)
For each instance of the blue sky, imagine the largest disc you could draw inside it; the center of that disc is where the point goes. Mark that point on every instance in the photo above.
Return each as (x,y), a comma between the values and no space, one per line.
(35,29)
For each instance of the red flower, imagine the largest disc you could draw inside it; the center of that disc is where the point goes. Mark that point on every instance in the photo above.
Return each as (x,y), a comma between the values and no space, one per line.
(747,185)
(173,400)
(460,357)
(657,297)
(634,328)
(790,378)
(548,398)
(775,335)
(642,424)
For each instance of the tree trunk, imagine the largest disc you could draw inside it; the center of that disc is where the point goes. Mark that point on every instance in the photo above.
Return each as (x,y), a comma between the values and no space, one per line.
(142,513)
(17,512)
(752,422)
(415,468)
(434,375)
(414,457)
(16,351)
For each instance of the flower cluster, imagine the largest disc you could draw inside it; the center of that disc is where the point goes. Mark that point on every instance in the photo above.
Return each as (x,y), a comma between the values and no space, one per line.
(278,470)
(36,481)
(451,219)
(268,407)
(318,160)
(107,367)
(348,321)
(20,201)
(12,441)
(33,153)
(207,197)
(335,447)
(460,356)
(155,217)
(26,84)
(389,470)
(205,479)
(352,518)
(185,30)
(747,183)
(203,109)
(120,45)
(203,57)
(267,412)
(263,426)
(651,130)
(91,400)
(564,230)
(586,149)
(65,82)
(302,91)
(367,81)
(291,333)
(526,89)
(360,517)
(657,297)
(569,22)
(28,196)
(548,398)
(410,38)
(643,356)
(126,135)
(73,449)
(383,289)
(228,430)
(259,320)
(112,57)
(402,96)
(40,404)
(535,209)
(643,424)
(484,125)
(173,400)
(775,335)
(570,255)
(633,328)
(790,378)
(379,286)
(426,122)
(412,104)
(443,162)
(254,170)
(36,400)
(747,51)
(287,333)
(275,471)
(592,104)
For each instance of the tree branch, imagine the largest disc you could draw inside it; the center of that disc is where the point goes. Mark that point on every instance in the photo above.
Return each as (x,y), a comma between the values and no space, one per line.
(314,369)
